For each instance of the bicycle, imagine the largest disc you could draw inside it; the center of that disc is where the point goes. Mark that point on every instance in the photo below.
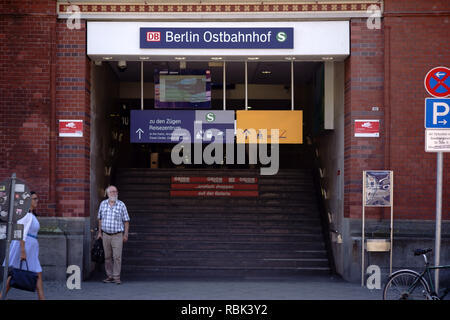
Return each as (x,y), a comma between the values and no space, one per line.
(408,284)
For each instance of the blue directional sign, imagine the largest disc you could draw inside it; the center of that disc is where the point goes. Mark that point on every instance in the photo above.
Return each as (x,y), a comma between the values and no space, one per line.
(159,126)
(437,113)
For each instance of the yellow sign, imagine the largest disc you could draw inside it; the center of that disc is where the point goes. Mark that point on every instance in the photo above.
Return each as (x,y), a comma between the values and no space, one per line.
(257,126)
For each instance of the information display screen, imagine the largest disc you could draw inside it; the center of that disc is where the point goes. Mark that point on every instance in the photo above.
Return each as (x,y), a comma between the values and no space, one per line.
(183,91)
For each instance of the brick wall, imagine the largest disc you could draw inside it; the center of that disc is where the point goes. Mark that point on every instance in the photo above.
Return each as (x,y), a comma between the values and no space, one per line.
(73,102)
(45,77)
(363,90)
(25,99)
(418,40)
(416,7)
(386,69)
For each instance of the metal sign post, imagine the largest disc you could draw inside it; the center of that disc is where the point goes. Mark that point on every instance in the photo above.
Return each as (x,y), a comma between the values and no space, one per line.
(9,230)
(437,118)
(437,245)
(15,201)
(378,191)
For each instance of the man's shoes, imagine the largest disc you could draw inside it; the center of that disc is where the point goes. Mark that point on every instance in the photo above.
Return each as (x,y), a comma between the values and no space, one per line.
(117,281)
(109,280)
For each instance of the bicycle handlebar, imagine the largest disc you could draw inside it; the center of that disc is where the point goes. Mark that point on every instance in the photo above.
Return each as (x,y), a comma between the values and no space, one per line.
(419,252)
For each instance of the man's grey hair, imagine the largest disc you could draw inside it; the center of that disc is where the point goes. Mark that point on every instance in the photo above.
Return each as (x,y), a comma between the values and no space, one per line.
(109,187)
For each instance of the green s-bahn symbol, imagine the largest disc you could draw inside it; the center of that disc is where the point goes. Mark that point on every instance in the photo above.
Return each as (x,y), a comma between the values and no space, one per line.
(281,36)
(210,117)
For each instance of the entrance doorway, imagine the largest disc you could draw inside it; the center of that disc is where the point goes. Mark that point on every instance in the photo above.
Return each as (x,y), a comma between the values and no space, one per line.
(275,229)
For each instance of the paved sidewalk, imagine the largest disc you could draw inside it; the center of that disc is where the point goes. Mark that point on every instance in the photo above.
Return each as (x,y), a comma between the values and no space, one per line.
(308,288)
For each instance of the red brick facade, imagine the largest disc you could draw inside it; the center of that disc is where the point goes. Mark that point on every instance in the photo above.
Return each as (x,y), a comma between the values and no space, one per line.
(417,42)
(386,69)
(73,102)
(363,91)
(26,29)
(46,77)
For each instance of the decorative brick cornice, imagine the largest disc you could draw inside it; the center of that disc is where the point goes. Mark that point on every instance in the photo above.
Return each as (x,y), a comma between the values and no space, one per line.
(136,8)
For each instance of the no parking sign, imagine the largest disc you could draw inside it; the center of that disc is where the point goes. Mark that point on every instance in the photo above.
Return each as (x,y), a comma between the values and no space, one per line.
(437,82)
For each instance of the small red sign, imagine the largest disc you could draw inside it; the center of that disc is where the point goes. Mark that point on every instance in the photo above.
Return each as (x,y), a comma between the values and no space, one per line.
(218,186)
(183,186)
(70,128)
(214,180)
(153,36)
(367,128)
(216,193)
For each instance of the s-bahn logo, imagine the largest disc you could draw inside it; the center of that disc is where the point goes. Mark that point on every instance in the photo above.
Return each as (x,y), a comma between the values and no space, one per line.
(153,36)
(281,36)
(210,117)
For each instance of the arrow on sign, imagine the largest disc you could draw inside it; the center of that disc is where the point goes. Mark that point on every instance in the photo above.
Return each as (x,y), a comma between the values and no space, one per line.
(139,132)
(443,121)
(439,74)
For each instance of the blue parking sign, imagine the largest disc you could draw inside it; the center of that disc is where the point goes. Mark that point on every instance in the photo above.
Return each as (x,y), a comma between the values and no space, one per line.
(437,113)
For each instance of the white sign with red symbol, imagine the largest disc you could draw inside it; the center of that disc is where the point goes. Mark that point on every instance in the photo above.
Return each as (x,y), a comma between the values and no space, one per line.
(154,36)
(367,128)
(70,128)
(437,82)
(214,187)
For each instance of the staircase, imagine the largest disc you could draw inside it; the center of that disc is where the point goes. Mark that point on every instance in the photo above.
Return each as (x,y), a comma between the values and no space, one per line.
(276,234)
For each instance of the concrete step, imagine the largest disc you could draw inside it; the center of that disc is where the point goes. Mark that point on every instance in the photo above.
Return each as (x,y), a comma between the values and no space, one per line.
(226,236)
(220,228)
(219,263)
(188,244)
(223,254)
(207,209)
(140,272)
(199,213)
(278,232)
(226,202)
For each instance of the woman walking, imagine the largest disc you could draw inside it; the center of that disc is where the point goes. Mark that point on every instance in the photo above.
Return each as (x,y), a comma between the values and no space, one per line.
(28,248)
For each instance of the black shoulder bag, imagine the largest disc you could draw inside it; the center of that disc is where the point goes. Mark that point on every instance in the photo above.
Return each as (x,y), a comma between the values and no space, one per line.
(97,253)
(23,279)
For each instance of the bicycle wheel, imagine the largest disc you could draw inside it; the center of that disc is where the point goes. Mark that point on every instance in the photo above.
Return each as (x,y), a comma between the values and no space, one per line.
(405,285)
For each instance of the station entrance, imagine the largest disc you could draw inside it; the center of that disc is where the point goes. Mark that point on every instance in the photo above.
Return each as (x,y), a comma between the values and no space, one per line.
(268,86)
(221,219)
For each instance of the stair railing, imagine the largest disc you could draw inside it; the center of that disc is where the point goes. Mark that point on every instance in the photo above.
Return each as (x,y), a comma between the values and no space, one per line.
(325,218)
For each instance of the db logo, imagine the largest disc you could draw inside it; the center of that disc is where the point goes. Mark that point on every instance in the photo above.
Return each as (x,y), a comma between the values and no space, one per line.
(153,36)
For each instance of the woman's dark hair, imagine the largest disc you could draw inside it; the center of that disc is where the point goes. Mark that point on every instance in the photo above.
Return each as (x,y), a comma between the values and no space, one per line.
(31,193)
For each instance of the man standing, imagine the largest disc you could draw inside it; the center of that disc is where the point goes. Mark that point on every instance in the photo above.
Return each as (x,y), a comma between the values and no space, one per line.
(113,224)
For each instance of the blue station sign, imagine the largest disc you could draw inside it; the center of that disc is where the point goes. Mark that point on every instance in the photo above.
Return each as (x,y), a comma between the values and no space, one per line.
(174,126)
(217,38)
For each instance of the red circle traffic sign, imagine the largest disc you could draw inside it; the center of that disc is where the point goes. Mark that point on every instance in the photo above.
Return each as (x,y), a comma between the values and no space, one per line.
(437,82)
